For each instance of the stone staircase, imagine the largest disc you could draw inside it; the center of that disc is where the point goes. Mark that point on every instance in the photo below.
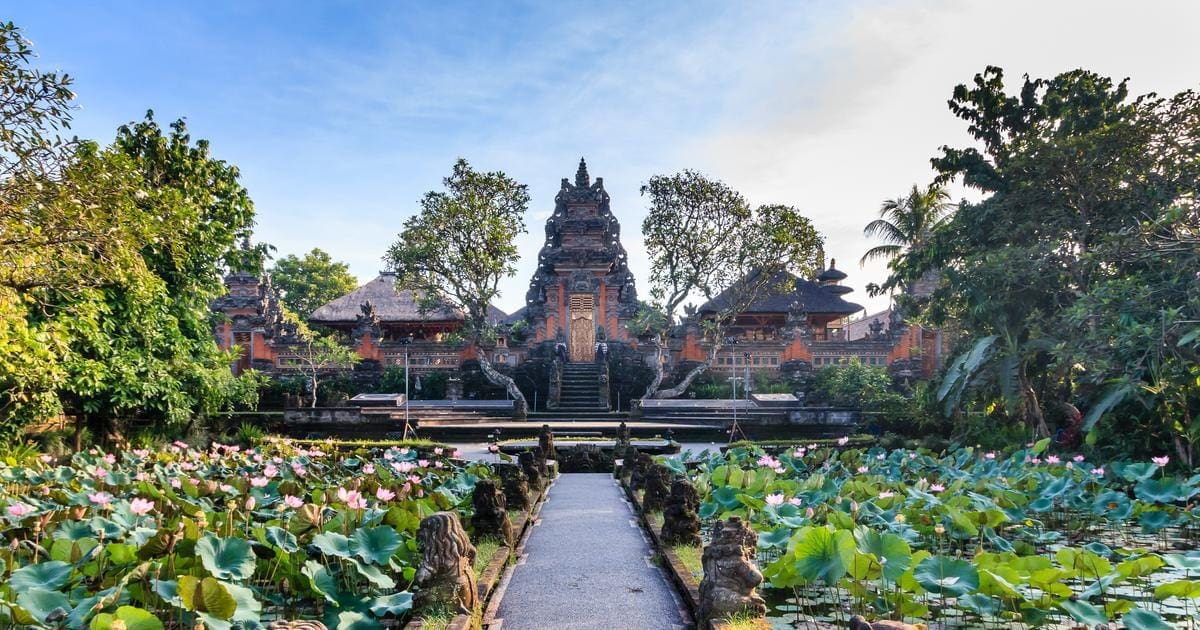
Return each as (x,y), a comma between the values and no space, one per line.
(581,389)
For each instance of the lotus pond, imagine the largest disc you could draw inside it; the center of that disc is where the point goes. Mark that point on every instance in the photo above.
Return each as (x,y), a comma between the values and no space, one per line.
(227,537)
(968,539)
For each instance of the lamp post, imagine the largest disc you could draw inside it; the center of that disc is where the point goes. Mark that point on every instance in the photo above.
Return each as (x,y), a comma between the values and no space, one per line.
(407,427)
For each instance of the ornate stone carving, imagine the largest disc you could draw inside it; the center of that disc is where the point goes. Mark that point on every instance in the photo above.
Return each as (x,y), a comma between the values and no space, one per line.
(681,520)
(622,437)
(641,467)
(366,322)
(658,487)
(516,486)
(546,442)
(445,576)
(730,576)
(628,463)
(491,514)
(533,472)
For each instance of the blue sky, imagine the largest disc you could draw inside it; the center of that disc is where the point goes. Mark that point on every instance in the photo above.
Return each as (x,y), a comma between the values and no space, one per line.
(342,114)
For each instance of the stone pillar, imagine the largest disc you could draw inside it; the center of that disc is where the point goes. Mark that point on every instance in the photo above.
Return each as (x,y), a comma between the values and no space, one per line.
(454,388)
(731,578)
(445,576)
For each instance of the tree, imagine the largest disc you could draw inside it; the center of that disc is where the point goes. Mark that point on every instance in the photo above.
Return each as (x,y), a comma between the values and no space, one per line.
(455,251)
(1070,167)
(906,223)
(317,355)
(704,238)
(305,284)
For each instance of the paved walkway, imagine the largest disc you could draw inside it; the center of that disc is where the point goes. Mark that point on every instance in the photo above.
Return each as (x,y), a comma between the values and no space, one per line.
(586,564)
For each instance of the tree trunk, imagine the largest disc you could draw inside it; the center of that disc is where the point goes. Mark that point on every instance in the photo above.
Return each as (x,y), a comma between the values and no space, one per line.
(313,381)
(499,378)
(678,390)
(80,421)
(652,389)
(1033,410)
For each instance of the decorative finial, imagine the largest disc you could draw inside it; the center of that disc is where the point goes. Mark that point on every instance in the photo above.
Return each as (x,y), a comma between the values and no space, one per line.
(246,242)
(833,263)
(582,180)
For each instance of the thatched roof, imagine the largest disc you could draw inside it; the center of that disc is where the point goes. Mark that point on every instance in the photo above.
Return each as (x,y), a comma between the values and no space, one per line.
(809,296)
(391,303)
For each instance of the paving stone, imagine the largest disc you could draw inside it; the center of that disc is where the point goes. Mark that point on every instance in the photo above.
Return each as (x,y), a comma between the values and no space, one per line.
(587,565)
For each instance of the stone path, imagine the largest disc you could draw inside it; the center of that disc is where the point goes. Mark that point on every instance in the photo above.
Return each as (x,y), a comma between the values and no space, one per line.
(586,564)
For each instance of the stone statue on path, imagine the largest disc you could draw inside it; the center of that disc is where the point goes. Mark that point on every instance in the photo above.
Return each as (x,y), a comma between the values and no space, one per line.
(730,575)
(681,520)
(533,472)
(491,514)
(657,480)
(641,467)
(445,576)
(546,442)
(516,486)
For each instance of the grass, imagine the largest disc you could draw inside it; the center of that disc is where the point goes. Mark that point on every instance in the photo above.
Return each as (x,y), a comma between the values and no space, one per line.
(856,441)
(745,621)
(436,618)
(342,444)
(484,550)
(690,556)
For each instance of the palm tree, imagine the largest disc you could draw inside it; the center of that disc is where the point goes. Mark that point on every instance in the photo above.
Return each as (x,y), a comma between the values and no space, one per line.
(906,223)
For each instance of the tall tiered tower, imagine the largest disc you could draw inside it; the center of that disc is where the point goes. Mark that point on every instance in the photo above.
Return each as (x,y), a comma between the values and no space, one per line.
(583,291)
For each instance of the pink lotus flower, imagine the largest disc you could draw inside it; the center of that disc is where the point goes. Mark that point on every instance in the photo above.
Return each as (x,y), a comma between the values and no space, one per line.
(176,483)
(352,498)
(18,510)
(493,448)
(258,482)
(423,463)
(141,506)
(388,455)
(1099,471)
(403,467)
(767,461)
(369,469)
(989,455)
(437,450)
(292,502)
(886,494)
(795,501)
(774,499)
(809,512)
(1077,458)
(110,459)
(798,453)
(439,465)
(844,440)
(404,451)
(1160,461)
(937,487)
(414,480)
(100,473)
(298,470)
(270,471)
(812,447)
(100,498)
(457,454)
(1035,460)
(383,494)
(862,470)
(912,455)
(1052,459)
(227,489)
(46,459)
(250,503)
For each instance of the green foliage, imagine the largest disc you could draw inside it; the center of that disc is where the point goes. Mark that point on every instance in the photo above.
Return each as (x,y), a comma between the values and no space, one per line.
(1068,275)
(704,239)
(305,284)
(459,247)
(906,224)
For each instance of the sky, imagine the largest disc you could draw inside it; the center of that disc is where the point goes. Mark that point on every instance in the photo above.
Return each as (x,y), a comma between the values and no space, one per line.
(341,115)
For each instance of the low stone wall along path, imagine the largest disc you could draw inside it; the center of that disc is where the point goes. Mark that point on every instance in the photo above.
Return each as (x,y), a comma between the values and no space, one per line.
(586,564)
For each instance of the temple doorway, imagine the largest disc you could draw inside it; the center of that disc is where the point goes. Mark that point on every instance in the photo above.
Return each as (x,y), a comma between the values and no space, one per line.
(583,327)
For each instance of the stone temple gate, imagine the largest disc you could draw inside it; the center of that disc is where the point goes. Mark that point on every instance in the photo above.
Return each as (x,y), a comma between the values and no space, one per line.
(582,291)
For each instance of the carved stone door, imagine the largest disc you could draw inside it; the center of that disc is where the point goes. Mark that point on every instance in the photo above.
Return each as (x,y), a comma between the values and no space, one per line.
(583,327)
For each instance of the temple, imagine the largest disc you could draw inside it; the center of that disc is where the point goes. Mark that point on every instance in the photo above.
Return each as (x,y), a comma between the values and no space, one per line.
(582,293)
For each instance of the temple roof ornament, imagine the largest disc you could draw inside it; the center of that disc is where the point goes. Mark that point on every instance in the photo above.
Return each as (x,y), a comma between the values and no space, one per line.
(581,176)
